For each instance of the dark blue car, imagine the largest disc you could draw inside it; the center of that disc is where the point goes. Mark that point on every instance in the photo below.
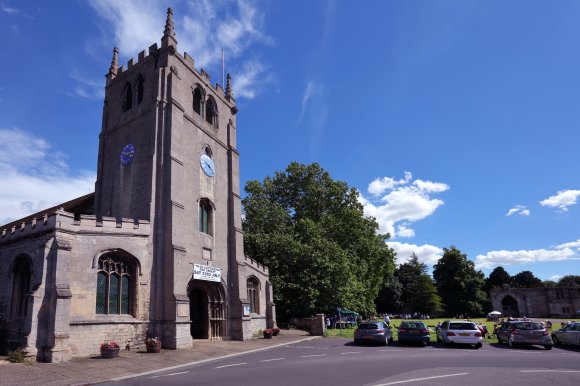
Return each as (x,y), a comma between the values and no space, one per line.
(414,332)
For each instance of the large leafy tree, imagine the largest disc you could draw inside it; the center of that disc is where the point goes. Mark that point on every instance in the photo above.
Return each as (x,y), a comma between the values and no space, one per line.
(311,232)
(389,298)
(460,285)
(526,279)
(568,279)
(497,278)
(419,293)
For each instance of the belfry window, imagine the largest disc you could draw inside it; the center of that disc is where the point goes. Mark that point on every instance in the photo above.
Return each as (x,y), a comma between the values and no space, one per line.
(210,112)
(140,84)
(128,97)
(21,288)
(197,100)
(205,216)
(253,295)
(115,285)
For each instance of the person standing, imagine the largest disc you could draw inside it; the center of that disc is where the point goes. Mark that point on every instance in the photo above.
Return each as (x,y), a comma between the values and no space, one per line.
(387,320)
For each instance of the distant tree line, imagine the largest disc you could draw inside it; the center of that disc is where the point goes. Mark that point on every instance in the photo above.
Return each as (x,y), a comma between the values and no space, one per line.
(324,253)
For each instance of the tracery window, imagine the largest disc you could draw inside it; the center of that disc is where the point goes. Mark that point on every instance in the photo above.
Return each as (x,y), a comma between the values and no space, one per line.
(210,112)
(115,285)
(140,84)
(128,97)
(197,100)
(253,295)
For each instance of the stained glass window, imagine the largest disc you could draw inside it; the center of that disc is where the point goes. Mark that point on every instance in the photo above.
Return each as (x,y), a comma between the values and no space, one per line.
(114,285)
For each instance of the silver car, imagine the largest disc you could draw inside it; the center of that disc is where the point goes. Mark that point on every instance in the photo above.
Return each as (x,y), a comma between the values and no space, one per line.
(460,332)
(377,332)
(567,335)
(524,332)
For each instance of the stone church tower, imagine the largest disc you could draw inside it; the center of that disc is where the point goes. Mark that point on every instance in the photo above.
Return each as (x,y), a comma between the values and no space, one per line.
(157,250)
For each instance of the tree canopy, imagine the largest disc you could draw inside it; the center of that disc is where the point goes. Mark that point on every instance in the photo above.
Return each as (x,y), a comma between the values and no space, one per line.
(310,230)
(460,285)
(419,293)
(526,279)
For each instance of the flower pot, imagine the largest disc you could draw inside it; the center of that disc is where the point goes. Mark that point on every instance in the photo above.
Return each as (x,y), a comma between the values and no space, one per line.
(154,348)
(267,335)
(109,352)
(275,332)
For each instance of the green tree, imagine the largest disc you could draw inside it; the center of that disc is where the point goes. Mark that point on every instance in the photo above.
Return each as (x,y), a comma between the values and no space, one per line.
(460,285)
(566,280)
(311,232)
(419,293)
(526,279)
(497,278)
(389,298)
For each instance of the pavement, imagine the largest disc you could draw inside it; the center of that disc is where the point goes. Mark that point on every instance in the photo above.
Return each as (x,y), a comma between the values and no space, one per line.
(86,371)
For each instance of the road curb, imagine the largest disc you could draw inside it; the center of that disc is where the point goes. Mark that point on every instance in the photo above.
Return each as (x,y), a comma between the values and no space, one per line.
(208,360)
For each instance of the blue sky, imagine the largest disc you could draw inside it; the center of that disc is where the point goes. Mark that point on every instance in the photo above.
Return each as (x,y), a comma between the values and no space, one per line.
(458,121)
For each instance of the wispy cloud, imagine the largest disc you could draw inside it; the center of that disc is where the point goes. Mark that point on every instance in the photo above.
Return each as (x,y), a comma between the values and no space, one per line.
(203,28)
(402,201)
(555,277)
(428,254)
(519,210)
(495,258)
(43,181)
(87,88)
(562,200)
(9,10)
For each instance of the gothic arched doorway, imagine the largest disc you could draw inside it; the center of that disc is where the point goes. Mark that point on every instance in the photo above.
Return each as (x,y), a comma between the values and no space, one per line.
(509,306)
(206,310)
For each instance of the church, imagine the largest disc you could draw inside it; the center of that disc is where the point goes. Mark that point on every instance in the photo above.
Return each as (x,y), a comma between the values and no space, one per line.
(157,249)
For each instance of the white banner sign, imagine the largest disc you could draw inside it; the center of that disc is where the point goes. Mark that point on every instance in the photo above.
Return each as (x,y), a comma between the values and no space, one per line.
(204,272)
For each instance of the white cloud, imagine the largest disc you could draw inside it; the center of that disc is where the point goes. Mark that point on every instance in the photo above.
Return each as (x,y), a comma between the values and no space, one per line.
(573,244)
(520,210)
(403,200)
(563,199)
(428,254)
(10,11)
(86,88)
(404,231)
(555,277)
(44,180)
(202,28)
(494,258)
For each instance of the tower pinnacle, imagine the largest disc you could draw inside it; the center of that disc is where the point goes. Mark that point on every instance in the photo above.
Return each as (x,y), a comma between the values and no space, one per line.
(168,38)
(114,63)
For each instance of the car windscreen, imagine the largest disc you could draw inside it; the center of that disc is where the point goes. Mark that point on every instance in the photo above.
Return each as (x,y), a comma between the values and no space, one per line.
(462,326)
(368,326)
(417,326)
(528,326)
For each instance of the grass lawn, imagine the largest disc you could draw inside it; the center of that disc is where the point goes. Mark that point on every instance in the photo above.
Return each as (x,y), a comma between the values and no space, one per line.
(431,323)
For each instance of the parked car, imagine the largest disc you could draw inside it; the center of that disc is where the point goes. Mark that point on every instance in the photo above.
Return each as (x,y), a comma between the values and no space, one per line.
(459,332)
(570,334)
(377,332)
(413,332)
(524,332)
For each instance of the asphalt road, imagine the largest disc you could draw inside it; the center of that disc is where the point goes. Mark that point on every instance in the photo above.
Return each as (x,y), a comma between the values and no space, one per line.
(337,362)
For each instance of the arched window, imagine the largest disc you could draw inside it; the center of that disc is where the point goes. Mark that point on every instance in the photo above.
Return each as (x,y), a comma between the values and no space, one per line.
(115,285)
(210,112)
(197,100)
(128,97)
(205,216)
(253,295)
(140,83)
(21,287)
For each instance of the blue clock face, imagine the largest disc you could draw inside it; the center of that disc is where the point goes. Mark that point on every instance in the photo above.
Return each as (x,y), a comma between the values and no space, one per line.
(127,154)
(207,165)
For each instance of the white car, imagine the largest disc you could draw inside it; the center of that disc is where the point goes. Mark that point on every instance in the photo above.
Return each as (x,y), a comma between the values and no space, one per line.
(460,332)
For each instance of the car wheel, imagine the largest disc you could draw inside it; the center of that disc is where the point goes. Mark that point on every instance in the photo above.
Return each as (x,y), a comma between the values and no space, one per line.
(427,342)
(391,340)
(548,347)
(511,343)
(499,340)
(356,342)
(478,345)
(556,340)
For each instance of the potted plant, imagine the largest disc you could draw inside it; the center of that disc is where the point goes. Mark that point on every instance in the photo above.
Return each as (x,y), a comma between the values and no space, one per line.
(153,345)
(110,349)
(275,330)
(268,333)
